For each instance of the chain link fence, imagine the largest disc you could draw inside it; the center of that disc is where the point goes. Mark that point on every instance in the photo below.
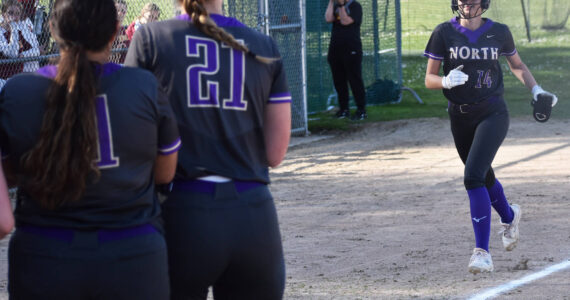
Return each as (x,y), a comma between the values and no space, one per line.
(26,44)
(524,17)
(381,62)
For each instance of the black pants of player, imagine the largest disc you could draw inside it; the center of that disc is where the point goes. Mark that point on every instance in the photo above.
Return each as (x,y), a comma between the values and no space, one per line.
(42,266)
(478,131)
(346,68)
(225,239)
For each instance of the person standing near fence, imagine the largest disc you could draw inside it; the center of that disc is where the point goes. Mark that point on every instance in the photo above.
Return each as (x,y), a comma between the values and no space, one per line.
(121,40)
(87,140)
(469,47)
(228,89)
(17,40)
(345,55)
(149,13)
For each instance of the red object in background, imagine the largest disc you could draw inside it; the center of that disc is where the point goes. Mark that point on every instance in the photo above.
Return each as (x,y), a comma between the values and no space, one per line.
(29,9)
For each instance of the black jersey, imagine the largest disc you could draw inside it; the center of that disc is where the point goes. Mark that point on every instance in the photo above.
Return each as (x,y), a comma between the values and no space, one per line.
(134,124)
(347,36)
(478,51)
(218,94)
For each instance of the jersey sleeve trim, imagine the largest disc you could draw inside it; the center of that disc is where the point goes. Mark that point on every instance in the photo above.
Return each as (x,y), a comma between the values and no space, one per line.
(433,56)
(281,98)
(169,149)
(509,54)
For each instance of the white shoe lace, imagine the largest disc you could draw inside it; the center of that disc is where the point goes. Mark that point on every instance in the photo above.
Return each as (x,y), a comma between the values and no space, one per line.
(506,231)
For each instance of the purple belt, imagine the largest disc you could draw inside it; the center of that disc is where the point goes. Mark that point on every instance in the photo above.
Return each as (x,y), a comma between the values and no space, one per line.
(103,235)
(209,187)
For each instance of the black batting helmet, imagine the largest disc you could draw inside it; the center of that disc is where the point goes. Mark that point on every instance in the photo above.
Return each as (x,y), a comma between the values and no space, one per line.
(456,9)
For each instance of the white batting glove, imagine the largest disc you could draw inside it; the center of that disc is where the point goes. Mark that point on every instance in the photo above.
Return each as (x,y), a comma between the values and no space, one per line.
(537,90)
(454,78)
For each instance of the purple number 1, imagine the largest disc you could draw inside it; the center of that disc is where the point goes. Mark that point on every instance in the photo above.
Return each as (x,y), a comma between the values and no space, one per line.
(105,156)
(211,66)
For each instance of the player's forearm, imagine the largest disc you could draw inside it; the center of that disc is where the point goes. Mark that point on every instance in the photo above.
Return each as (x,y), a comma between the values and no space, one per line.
(277,132)
(165,167)
(329,13)
(433,81)
(523,74)
(6,215)
(345,19)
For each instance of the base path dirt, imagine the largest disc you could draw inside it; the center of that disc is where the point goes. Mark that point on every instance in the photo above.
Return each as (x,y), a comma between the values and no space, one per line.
(381,213)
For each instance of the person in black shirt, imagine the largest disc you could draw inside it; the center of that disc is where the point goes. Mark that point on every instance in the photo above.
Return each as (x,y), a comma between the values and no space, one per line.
(469,47)
(345,55)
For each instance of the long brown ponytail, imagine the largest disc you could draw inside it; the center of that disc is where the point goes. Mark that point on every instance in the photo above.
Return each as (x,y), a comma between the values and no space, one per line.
(64,158)
(201,19)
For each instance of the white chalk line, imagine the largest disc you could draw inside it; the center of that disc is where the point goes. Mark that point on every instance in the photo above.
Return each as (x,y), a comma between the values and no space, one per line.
(494,292)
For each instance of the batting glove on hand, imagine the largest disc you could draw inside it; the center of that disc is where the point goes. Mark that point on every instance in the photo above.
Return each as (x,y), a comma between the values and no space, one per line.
(454,78)
(537,90)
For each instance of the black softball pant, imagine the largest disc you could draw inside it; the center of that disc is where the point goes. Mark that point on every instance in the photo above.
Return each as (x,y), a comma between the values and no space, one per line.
(346,67)
(226,239)
(47,265)
(478,132)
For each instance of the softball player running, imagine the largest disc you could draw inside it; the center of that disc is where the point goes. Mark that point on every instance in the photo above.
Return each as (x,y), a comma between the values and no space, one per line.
(87,140)
(228,90)
(470,47)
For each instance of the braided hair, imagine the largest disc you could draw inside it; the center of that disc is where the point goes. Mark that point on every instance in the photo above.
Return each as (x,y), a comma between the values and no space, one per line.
(201,19)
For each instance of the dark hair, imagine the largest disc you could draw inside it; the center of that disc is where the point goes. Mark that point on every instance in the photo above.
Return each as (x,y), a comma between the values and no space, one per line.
(63,159)
(8,3)
(201,19)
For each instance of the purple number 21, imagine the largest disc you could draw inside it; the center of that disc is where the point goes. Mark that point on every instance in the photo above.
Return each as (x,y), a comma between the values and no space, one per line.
(105,156)
(210,65)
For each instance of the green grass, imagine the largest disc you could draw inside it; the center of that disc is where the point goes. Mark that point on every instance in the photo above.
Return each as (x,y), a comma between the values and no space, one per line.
(548,58)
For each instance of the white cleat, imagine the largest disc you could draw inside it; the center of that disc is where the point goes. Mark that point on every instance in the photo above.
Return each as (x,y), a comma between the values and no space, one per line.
(510,232)
(481,261)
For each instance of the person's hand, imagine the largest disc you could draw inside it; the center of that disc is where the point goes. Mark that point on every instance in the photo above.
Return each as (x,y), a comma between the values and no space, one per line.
(454,78)
(537,90)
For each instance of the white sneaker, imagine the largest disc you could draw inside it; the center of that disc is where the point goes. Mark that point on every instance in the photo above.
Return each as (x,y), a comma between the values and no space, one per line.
(510,232)
(480,261)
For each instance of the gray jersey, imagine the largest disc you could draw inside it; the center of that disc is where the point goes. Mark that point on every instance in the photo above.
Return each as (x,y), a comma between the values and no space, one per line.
(135,125)
(218,94)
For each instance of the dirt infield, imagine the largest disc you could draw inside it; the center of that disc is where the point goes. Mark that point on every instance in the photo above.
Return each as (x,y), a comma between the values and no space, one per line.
(381,213)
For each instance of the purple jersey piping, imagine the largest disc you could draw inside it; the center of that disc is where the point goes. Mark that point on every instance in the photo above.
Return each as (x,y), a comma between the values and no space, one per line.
(169,149)
(433,56)
(472,36)
(51,70)
(220,20)
(509,54)
(280,98)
